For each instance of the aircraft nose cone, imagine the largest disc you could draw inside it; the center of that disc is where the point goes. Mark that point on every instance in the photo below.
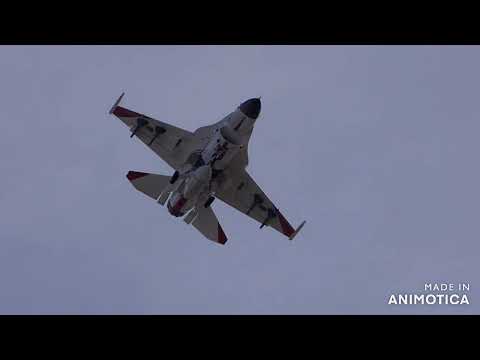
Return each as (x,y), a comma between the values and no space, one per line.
(251,108)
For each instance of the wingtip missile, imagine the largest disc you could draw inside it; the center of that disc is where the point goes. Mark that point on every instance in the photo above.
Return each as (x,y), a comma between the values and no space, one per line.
(116,103)
(298,230)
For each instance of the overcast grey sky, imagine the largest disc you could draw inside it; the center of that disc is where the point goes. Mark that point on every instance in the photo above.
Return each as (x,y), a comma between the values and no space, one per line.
(375,146)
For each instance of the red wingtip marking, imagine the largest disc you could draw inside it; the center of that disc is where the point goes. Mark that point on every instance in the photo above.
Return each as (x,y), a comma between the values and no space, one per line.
(222,239)
(287,229)
(132,175)
(122,112)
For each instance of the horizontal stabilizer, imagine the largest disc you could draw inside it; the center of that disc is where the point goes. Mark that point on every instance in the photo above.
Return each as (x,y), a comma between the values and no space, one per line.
(151,185)
(206,222)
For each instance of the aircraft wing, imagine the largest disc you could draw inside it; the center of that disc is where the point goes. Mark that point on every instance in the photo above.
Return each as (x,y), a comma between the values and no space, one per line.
(170,143)
(247,197)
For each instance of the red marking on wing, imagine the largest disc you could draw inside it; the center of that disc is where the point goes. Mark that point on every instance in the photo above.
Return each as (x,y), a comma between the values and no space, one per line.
(287,229)
(132,175)
(122,112)
(222,239)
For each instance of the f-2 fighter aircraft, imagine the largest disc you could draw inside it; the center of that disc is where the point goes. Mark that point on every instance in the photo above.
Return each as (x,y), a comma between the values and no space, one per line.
(209,163)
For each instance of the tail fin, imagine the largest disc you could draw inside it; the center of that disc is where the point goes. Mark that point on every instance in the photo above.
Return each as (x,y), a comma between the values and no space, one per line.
(151,185)
(206,222)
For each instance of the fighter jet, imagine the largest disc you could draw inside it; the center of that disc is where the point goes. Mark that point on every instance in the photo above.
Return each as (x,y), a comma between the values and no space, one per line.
(208,163)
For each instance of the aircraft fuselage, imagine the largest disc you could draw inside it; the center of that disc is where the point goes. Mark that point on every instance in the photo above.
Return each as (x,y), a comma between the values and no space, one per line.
(223,143)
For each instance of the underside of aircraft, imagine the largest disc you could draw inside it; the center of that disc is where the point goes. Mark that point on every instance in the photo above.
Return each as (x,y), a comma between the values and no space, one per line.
(208,163)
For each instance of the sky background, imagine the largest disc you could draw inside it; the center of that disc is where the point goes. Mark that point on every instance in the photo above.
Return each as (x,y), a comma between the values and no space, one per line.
(375,146)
